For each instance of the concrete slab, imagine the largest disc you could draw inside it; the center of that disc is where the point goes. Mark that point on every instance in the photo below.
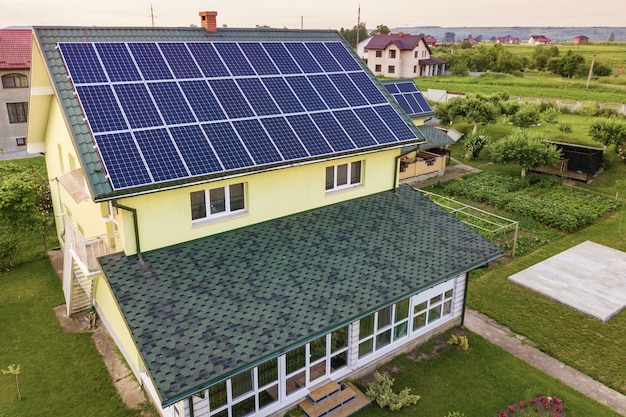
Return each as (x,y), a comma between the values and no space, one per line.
(588,277)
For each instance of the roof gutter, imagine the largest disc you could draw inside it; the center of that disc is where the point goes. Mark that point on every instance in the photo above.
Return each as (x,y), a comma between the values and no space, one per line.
(133,211)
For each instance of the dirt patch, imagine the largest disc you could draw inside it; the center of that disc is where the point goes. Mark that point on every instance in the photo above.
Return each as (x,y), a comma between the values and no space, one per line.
(76,323)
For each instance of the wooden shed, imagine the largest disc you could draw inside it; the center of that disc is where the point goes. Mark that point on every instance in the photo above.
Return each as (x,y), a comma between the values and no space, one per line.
(578,162)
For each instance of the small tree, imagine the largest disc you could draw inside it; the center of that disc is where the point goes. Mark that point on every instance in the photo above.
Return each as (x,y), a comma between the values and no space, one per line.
(551,116)
(478,110)
(526,148)
(526,116)
(14,370)
(474,143)
(381,29)
(608,132)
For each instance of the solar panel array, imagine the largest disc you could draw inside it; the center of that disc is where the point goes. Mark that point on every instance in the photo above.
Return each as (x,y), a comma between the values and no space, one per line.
(408,97)
(163,111)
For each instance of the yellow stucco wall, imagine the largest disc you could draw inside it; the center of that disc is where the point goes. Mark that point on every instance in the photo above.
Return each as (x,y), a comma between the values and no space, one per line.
(165,217)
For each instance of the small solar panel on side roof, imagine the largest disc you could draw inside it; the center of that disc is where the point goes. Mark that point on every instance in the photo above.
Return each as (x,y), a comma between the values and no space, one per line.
(83,63)
(117,62)
(282,58)
(406,87)
(208,59)
(404,103)
(195,149)
(392,88)
(234,58)
(150,61)
(415,106)
(422,101)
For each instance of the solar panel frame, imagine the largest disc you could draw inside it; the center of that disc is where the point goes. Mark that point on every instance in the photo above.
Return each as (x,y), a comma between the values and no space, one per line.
(258,97)
(327,91)
(101,108)
(391,88)
(406,87)
(117,62)
(311,138)
(396,124)
(403,103)
(334,133)
(368,88)
(122,159)
(415,106)
(303,57)
(306,92)
(83,63)
(422,101)
(283,95)
(180,60)
(348,90)
(375,125)
(357,131)
(343,56)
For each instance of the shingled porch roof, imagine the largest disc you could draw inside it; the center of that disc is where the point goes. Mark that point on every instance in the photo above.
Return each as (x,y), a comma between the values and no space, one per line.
(202,311)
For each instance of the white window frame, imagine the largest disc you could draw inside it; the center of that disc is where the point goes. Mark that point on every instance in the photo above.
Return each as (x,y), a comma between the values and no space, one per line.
(350,166)
(440,298)
(228,212)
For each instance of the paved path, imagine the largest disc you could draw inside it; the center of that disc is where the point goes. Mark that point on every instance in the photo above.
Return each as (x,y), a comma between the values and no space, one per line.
(502,336)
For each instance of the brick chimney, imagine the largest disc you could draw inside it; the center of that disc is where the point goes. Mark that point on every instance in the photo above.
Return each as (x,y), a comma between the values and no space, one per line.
(208,20)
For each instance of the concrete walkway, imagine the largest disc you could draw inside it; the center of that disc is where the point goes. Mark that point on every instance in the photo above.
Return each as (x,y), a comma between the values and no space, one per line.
(514,344)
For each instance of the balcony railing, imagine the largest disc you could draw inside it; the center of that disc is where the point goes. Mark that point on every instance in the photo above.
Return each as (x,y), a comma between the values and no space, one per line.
(87,250)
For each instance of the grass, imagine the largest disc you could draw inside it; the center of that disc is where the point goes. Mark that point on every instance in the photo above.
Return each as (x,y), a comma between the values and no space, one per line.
(478,382)
(62,373)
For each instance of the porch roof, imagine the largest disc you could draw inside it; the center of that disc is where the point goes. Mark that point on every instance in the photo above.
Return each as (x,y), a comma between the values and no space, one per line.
(201,311)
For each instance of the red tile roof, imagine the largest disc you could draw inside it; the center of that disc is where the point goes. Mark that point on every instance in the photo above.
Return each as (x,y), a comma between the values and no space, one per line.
(402,41)
(15,47)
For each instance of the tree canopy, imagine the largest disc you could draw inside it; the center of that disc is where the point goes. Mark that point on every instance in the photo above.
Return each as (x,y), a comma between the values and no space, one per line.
(526,148)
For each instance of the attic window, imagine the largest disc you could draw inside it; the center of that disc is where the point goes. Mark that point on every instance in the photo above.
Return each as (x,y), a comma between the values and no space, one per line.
(392,53)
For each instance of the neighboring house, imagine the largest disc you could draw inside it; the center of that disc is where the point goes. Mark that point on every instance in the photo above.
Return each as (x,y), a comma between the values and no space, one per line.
(15,45)
(228,202)
(508,40)
(430,41)
(360,48)
(402,56)
(539,40)
(580,40)
(471,40)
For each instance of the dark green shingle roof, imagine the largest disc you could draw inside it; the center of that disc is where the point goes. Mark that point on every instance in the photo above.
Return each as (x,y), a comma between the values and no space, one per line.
(49,37)
(435,138)
(204,309)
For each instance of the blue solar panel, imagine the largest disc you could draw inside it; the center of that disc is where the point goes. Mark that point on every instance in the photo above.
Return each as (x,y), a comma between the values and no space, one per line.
(208,59)
(395,122)
(375,125)
(227,145)
(82,63)
(327,91)
(343,56)
(202,101)
(422,101)
(122,160)
(180,60)
(258,96)
(333,132)
(117,62)
(307,94)
(259,59)
(256,140)
(217,115)
(392,88)
(150,61)
(303,57)
(170,101)
(101,109)
(282,58)
(137,105)
(347,88)
(284,138)
(325,59)
(404,104)
(234,59)
(311,138)
(367,87)
(351,124)
(415,106)
(283,95)
(160,154)
(233,102)
(406,87)
(195,149)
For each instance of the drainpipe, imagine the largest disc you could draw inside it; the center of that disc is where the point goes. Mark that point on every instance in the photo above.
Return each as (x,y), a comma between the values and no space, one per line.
(135,224)
(397,171)
(465,298)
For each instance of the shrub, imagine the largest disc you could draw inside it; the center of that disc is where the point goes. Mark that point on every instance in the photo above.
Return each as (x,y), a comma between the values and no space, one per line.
(474,143)
(382,393)
(565,127)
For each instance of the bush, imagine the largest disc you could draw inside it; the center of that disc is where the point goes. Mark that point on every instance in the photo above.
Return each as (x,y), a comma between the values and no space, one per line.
(565,128)
(474,143)
(382,393)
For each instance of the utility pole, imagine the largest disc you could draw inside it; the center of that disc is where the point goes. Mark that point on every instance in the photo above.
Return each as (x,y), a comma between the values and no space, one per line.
(593,61)
(152,15)
(301,22)
(358,25)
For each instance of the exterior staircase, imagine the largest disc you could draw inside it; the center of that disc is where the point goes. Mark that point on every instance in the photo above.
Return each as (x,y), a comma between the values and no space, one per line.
(334,399)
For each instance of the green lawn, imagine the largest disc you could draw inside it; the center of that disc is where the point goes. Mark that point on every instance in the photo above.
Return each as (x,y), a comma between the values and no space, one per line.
(62,373)
(478,382)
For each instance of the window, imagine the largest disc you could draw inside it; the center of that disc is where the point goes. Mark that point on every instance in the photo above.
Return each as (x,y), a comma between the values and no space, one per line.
(343,176)
(217,202)
(391,69)
(21,141)
(379,54)
(432,309)
(392,53)
(18,112)
(378,68)
(14,81)
(384,327)
(415,54)
(414,69)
